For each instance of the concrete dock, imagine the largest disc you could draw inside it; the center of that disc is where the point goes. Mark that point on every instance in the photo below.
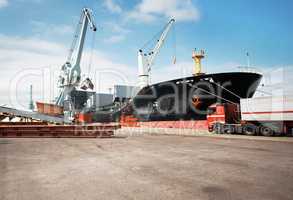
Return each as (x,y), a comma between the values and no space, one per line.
(146,167)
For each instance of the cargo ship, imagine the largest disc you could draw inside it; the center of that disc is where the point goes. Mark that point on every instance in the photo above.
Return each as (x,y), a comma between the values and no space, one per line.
(188,98)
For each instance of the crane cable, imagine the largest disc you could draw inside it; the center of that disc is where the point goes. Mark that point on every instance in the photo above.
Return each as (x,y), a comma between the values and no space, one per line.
(74,42)
(155,37)
(264,92)
(148,43)
(174,46)
(222,98)
(91,54)
(227,90)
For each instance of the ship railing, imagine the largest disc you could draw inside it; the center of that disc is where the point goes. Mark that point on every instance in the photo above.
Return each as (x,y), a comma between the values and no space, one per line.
(249,69)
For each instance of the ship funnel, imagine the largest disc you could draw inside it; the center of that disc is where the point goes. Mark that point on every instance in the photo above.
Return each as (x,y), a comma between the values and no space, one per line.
(197,56)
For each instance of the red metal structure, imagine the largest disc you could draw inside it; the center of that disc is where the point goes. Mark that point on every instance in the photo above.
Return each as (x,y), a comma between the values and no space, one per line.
(222,113)
(49,109)
(132,121)
(32,130)
(231,118)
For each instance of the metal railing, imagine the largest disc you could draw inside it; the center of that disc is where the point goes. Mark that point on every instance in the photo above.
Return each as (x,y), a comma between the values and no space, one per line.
(249,69)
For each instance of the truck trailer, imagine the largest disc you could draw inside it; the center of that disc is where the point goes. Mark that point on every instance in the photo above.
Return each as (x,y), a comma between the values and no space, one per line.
(267,116)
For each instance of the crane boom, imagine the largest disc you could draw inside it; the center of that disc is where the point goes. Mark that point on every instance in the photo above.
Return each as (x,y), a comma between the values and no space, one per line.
(70,72)
(87,19)
(160,43)
(146,60)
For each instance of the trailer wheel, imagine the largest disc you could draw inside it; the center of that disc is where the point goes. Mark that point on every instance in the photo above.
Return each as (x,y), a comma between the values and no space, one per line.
(249,129)
(229,129)
(218,128)
(266,131)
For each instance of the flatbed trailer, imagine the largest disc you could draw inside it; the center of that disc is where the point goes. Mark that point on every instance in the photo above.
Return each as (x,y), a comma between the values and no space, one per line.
(35,130)
(38,125)
(267,116)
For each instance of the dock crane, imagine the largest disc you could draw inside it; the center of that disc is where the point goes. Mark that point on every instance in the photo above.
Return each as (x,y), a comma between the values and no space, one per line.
(70,75)
(146,60)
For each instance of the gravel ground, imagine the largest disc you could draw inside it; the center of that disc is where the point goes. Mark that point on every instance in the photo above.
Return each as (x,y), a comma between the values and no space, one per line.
(146,167)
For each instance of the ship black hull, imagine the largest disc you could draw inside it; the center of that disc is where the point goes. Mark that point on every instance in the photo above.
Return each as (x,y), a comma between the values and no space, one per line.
(188,98)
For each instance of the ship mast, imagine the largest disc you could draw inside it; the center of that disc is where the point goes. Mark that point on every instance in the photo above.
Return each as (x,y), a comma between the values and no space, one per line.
(248,59)
(197,56)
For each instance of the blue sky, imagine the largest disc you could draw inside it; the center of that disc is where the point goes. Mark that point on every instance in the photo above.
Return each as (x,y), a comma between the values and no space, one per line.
(226,29)
(37,33)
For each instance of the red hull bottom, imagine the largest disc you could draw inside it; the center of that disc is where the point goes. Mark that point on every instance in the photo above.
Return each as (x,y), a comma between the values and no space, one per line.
(196,125)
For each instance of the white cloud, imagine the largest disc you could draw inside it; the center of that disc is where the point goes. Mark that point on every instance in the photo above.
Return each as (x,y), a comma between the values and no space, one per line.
(119,32)
(115,39)
(171,71)
(116,28)
(50,30)
(3,3)
(141,17)
(31,45)
(25,61)
(150,10)
(276,81)
(112,6)
(30,1)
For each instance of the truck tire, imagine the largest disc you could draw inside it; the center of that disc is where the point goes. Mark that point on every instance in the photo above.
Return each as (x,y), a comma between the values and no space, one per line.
(218,128)
(249,129)
(229,129)
(266,131)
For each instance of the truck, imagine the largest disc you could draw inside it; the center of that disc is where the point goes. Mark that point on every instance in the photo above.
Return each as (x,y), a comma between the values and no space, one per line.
(266,116)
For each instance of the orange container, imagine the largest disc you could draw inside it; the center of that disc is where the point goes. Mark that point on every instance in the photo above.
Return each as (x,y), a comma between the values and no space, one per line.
(49,109)
(84,117)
